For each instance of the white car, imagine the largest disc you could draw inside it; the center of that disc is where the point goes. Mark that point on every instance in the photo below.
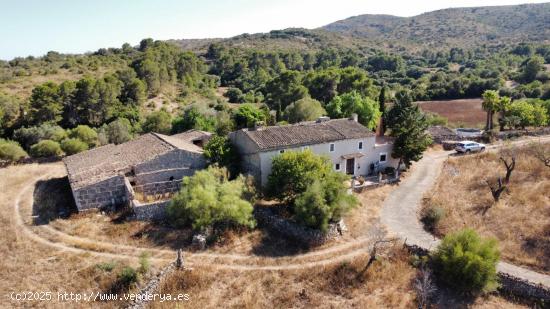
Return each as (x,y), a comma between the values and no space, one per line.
(469,146)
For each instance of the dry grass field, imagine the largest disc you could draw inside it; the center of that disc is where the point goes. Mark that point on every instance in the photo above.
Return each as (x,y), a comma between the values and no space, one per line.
(463,112)
(31,266)
(387,283)
(520,220)
(30,263)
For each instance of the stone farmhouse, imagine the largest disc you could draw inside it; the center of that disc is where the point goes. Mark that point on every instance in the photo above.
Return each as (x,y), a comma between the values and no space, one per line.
(353,148)
(153,163)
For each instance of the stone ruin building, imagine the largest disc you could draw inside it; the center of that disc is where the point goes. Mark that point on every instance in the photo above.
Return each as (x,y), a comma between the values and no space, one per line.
(140,172)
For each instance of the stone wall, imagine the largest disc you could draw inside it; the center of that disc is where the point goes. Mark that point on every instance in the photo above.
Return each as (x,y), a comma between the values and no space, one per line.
(516,286)
(155,211)
(176,159)
(158,188)
(107,193)
(288,229)
(163,175)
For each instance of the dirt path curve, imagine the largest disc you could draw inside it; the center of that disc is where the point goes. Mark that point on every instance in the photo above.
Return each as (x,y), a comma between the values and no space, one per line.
(400,210)
(59,240)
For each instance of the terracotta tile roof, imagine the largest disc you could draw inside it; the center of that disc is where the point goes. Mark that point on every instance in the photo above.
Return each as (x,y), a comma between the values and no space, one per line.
(110,160)
(193,135)
(307,133)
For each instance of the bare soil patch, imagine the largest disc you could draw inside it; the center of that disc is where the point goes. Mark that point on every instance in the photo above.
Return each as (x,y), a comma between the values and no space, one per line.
(520,220)
(463,112)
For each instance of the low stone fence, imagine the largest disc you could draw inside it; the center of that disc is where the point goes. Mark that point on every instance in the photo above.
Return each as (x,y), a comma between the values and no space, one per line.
(519,133)
(155,211)
(291,230)
(154,284)
(522,288)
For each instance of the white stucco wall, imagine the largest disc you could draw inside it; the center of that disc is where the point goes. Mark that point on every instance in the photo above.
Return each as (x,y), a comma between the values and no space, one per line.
(371,154)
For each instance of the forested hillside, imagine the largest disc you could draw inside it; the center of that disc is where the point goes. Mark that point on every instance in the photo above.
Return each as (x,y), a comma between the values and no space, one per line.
(73,102)
(457,27)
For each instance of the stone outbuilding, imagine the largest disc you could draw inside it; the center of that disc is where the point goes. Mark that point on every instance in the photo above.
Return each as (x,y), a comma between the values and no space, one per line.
(153,163)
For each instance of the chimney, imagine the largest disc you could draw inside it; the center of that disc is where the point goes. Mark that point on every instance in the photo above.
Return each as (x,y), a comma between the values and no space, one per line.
(354,117)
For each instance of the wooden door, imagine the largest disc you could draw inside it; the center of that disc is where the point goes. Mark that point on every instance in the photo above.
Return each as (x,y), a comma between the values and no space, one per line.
(350,166)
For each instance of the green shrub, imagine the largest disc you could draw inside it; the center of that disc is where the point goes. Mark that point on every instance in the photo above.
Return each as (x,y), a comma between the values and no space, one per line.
(85,134)
(118,131)
(209,198)
(32,135)
(432,216)
(144,262)
(324,201)
(434,119)
(127,276)
(73,145)
(106,266)
(293,171)
(219,150)
(158,122)
(11,151)
(234,95)
(467,262)
(46,148)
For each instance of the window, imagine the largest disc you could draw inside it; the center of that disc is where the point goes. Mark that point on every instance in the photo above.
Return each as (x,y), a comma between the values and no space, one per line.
(282,151)
(360,145)
(337,166)
(331,147)
(383,157)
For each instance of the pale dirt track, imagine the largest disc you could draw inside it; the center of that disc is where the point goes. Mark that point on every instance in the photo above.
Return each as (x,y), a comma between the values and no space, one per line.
(398,224)
(51,237)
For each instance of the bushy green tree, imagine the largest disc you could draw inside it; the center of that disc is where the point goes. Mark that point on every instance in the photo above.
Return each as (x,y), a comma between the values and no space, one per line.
(467,262)
(532,67)
(45,105)
(283,90)
(234,95)
(73,145)
(46,148)
(293,171)
(11,151)
(194,118)
(345,105)
(209,198)
(9,113)
(219,150)
(85,134)
(325,200)
(408,128)
(528,113)
(118,131)
(305,109)
(159,122)
(32,135)
(247,115)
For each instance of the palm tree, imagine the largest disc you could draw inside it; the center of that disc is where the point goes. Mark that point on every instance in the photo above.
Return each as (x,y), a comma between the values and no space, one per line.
(490,105)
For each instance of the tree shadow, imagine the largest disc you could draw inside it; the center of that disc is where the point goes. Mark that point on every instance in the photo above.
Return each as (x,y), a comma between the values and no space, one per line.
(273,245)
(162,234)
(539,246)
(52,199)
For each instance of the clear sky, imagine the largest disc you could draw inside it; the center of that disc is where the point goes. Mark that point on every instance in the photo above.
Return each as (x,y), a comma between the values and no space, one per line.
(33,27)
